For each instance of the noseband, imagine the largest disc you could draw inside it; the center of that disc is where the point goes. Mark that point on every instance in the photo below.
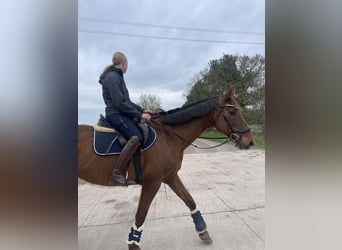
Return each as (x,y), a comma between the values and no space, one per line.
(234,134)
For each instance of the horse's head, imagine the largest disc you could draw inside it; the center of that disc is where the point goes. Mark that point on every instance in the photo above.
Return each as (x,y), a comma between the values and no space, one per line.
(230,121)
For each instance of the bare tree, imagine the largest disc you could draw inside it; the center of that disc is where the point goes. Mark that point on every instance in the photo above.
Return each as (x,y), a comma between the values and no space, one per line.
(148,101)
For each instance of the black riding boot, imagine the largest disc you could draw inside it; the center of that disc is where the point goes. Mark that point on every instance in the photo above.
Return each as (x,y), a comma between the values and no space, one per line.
(118,177)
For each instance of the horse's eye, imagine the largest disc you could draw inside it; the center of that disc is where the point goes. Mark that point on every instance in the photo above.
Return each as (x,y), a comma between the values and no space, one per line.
(232,112)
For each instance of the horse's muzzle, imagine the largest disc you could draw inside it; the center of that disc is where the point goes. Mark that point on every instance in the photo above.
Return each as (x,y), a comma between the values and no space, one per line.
(241,145)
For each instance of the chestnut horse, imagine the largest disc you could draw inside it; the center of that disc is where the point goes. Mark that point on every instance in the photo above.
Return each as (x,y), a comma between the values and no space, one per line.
(176,130)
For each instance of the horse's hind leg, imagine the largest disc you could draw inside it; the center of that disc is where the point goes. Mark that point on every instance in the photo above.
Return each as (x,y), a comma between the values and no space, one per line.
(178,187)
(148,191)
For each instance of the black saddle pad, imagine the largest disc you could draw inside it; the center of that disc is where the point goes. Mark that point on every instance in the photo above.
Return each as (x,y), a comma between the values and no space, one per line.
(104,145)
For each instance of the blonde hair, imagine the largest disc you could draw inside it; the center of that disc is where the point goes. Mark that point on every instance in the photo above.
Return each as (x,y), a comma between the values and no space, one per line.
(117,59)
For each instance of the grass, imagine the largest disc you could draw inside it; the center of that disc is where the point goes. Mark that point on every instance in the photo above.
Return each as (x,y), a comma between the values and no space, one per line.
(259,137)
(259,140)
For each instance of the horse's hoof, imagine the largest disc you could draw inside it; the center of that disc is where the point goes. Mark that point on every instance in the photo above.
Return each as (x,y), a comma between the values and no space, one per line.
(133,247)
(205,237)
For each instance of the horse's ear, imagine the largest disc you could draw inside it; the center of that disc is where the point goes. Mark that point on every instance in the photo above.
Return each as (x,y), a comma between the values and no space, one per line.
(230,93)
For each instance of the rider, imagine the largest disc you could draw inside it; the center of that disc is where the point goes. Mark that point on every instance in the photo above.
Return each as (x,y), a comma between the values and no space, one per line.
(122,114)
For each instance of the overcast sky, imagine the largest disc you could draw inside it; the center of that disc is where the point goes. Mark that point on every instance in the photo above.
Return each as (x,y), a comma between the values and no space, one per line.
(166,43)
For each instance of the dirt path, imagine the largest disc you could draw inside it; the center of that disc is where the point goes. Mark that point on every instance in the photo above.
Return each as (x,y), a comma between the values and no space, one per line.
(227,184)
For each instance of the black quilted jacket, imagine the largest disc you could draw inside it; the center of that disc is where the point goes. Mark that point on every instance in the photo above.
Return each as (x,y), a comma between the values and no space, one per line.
(116,96)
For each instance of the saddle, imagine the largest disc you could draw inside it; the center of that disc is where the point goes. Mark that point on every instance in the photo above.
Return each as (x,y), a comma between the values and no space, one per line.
(108,141)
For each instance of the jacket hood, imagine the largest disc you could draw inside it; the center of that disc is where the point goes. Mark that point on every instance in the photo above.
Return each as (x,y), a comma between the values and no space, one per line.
(110,69)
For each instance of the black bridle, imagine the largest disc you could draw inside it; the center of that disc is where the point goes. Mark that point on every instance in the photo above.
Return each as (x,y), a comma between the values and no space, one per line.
(233,135)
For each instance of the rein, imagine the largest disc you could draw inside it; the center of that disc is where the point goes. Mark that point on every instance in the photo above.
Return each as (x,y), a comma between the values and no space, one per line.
(218,145)
(187,141)
(170,131)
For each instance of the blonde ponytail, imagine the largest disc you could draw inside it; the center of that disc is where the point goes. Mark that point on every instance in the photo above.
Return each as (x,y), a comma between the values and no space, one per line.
(118,57)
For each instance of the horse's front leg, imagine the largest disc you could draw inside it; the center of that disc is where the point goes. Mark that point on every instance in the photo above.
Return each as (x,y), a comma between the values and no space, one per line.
(148,191)
(178,187)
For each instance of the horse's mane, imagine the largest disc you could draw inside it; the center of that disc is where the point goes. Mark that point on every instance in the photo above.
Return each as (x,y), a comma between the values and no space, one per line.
(188,112)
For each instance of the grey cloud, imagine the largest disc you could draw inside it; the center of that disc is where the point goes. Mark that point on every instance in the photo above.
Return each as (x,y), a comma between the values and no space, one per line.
(159,66)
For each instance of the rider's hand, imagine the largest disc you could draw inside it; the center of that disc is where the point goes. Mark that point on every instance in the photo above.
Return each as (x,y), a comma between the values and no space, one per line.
(146,116)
